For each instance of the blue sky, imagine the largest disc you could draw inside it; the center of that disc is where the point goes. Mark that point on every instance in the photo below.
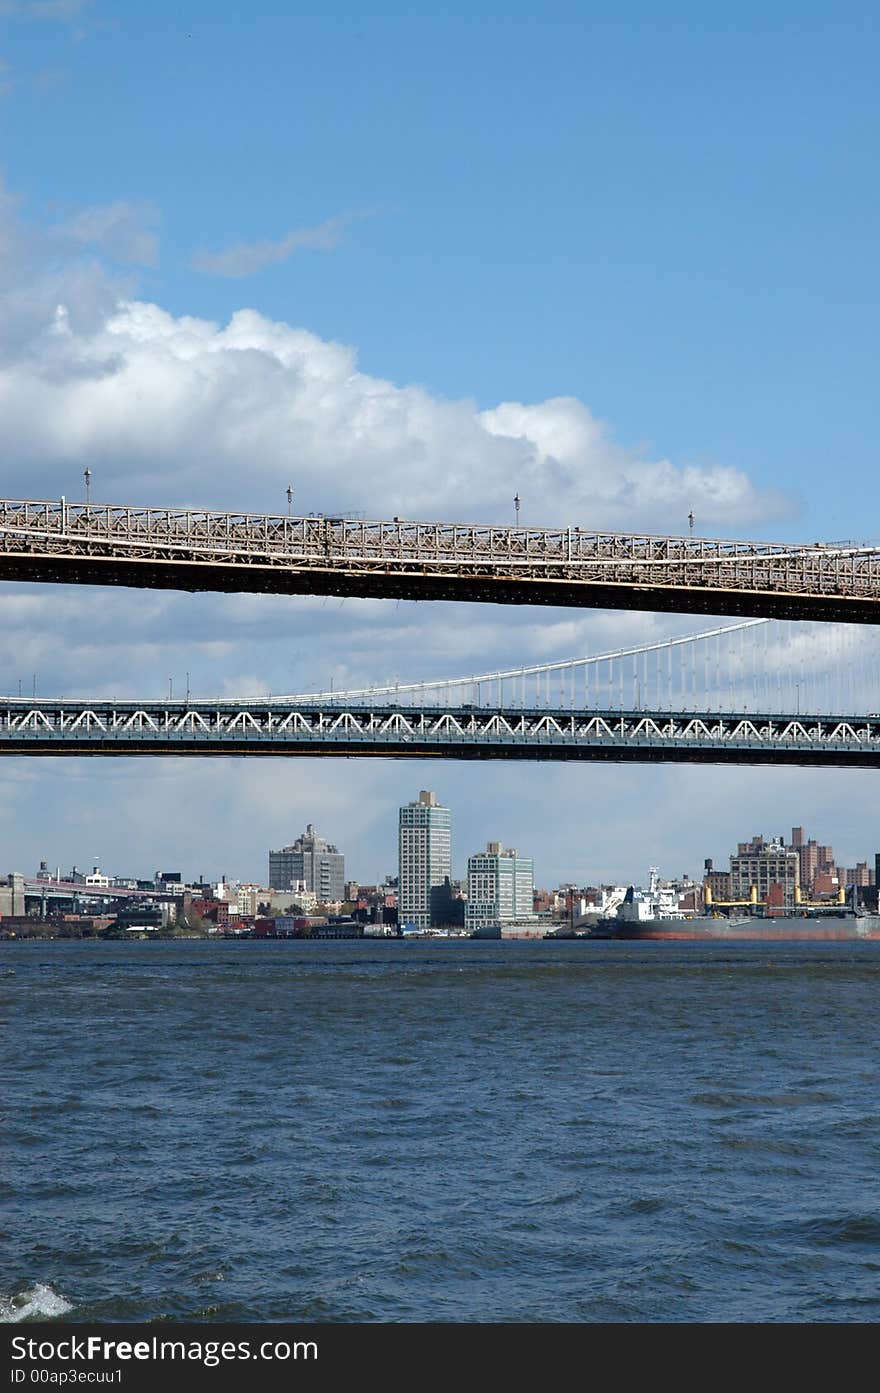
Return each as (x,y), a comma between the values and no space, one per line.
(665,216)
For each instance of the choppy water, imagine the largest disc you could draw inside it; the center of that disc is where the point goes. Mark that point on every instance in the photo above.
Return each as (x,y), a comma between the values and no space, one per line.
(453,1131)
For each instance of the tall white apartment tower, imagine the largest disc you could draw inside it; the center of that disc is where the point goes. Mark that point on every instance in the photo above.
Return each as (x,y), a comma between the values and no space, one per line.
(425,857)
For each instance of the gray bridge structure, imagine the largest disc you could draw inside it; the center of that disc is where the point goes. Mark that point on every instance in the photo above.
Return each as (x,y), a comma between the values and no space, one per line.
(195,550)
(694,697)
(281,727)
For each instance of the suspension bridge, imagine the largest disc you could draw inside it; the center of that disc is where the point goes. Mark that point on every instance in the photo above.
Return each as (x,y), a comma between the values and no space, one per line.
(757,691)
(193,550)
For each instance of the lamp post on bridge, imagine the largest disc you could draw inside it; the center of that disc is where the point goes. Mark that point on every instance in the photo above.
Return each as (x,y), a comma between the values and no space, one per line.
(87,475)
(516,501)
(289,498)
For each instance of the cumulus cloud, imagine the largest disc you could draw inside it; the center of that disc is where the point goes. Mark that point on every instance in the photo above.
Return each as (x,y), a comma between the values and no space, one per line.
(246,258)
(173,408)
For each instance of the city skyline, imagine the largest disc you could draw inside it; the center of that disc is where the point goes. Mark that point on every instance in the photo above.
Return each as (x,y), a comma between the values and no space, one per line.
(811,855)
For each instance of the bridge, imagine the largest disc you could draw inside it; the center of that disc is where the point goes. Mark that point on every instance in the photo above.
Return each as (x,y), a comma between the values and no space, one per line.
(193,550)
(48,889)
(178,728)
(695,697)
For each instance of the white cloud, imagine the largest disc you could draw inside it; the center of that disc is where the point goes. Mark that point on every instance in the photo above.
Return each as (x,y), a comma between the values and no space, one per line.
(248,257)
(174,408)
(178,409)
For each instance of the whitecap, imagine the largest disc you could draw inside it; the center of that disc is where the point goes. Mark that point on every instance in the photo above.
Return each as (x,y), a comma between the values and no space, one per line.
(38,1302)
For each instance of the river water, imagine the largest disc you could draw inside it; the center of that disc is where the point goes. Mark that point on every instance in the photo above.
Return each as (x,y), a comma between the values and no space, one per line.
(456,1131)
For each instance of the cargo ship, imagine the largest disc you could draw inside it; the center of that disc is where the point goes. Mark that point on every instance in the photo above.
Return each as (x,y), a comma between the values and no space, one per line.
(641,917)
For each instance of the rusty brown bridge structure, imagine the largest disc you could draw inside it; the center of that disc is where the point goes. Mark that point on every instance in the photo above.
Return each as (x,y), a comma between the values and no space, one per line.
(196,550)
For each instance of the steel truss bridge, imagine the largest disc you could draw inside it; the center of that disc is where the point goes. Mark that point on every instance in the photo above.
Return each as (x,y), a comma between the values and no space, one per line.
(281,728)
(683,697)
(187,549)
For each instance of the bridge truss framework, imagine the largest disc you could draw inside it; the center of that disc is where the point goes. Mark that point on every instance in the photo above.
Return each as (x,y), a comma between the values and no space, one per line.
(188,549)
(77,728)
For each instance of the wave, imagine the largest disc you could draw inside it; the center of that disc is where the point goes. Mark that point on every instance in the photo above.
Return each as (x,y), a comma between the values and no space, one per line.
(790,1099)
(38,1302)
(844,1228)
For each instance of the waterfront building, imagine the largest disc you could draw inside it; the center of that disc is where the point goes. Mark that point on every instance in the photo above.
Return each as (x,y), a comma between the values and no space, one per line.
(425,860)
(717,883)
(312,862)
(297,900)
(765,865)
(789,874)
(501,888)
(248,899)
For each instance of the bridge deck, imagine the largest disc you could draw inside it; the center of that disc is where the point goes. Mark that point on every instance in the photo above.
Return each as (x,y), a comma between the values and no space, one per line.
(77,728)
(192,550)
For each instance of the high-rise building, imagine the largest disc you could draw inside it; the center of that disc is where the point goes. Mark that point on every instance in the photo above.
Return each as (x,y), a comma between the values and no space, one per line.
(425,859)
(817,867)
(311,861)
(809,864)
(501,887)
